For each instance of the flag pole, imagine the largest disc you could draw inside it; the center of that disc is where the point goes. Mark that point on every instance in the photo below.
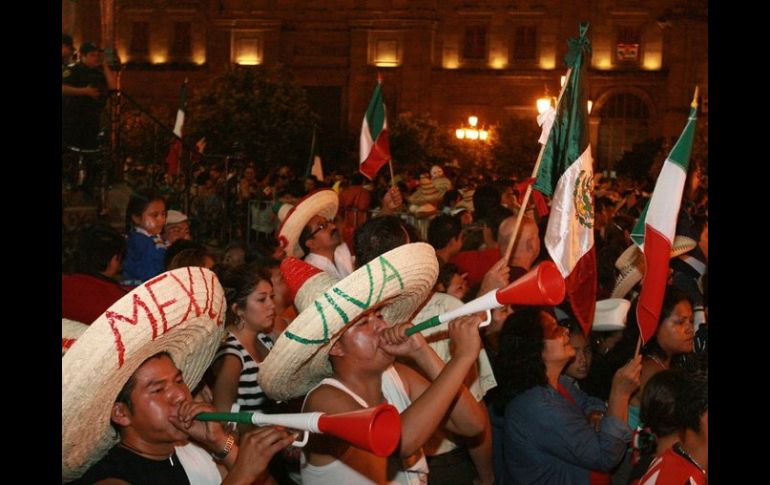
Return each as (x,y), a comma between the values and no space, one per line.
(392,178)
(525,199)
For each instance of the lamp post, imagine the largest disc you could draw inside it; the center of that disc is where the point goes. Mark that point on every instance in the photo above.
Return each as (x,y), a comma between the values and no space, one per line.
(471,132)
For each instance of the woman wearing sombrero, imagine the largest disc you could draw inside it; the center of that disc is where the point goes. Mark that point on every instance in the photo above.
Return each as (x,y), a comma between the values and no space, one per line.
(341,352)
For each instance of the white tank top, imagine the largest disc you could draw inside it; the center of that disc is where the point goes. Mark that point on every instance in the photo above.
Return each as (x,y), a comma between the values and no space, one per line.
(357,466)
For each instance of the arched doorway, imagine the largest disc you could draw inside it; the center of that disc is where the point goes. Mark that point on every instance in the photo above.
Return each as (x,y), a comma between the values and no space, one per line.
(624,120)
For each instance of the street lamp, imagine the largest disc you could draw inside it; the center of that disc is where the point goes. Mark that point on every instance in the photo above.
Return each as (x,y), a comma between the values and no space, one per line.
(472,132)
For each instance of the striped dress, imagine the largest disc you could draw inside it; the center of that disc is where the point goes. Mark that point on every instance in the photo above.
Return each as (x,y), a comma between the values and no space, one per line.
(250,395)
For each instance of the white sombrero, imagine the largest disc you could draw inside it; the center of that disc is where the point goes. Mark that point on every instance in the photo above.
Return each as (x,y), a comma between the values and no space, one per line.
(396,282)
(632,267)
(180,312)
(610,315)
(324,203)
(71,330)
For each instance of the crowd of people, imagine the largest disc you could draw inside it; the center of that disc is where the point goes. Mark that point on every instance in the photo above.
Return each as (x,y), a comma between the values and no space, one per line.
(163,321)
(313,317)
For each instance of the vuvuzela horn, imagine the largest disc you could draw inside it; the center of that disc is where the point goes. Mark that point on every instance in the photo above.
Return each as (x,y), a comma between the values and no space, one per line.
(543,285)
(376,429)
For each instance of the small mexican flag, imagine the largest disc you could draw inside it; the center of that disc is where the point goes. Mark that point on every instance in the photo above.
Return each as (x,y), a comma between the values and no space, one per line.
(175,150)
(656,228)
(374,146)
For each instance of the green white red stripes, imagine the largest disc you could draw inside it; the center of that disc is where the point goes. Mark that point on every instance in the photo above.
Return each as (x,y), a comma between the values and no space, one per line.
(656,228)
(566,174)
(374,145)
(175,150)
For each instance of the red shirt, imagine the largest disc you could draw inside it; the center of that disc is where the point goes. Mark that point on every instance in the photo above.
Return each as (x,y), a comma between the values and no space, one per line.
(85,297)
(476,263)
(673,467)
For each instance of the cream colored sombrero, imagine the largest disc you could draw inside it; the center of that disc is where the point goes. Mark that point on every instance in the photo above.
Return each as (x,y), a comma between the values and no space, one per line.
(324,203)
(71,330)
(610,315)
(396,283)
(632,267)
(180,312)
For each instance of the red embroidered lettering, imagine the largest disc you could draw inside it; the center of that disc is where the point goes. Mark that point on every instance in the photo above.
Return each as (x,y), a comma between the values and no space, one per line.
(160,306)
(114,317)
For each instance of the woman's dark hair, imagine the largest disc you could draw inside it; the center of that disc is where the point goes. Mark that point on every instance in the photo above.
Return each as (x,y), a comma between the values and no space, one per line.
(671,298)
(239,283)
(520,367)
(138,203)
(658,409)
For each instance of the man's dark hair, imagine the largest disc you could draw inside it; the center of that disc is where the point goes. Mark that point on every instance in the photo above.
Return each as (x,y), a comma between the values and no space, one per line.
(445,273)
(97,245)
(658,409)
(176,248)
(692,401)
(379,235)
(442,229)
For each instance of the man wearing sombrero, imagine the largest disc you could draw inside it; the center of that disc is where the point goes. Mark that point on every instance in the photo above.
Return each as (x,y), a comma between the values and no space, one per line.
(309,231)
(127,410)
(340,352)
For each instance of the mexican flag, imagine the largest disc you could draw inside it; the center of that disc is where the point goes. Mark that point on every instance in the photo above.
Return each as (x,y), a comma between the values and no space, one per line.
(175,150)
(566,174)
(656,228)
(374,146)
(314,166)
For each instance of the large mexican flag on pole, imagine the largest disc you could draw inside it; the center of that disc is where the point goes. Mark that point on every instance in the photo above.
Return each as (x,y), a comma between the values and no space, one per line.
(656,228)
(566,174)
(374,146)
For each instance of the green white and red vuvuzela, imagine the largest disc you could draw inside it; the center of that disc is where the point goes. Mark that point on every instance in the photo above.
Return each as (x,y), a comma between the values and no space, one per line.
(655,230)
(566,174)
(175,150)
(374,147)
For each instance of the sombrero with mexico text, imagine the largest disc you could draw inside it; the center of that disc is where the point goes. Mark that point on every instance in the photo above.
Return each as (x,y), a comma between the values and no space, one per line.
(632,266)
(71,330)
(180,312)
(396,283)
(323,202)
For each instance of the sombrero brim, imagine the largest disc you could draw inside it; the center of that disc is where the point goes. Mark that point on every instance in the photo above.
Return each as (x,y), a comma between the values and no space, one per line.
(324,203)
(632,267)
(71,330)
(180,312)
(396,282)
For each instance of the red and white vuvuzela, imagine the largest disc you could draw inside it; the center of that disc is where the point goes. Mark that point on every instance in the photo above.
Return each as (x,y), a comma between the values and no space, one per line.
(543,285)
(376,429)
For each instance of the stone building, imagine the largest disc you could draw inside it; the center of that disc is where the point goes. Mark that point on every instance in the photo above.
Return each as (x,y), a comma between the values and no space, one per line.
(449,58)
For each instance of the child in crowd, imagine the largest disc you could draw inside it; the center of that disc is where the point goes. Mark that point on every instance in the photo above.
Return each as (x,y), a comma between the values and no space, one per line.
(145,250)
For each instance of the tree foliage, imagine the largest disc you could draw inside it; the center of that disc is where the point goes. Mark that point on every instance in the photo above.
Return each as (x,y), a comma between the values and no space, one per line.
(263,111)
(514,145)
(417,140)
(641,160)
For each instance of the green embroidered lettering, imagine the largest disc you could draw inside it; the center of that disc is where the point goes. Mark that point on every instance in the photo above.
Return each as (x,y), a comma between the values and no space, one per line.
(325,325)
(385,264)
(356,302)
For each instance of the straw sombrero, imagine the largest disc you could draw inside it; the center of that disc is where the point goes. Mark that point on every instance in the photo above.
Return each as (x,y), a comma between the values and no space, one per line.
(323,202)
(632,267)
(71,330)
(180,312)
(610,315)
(396,282)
